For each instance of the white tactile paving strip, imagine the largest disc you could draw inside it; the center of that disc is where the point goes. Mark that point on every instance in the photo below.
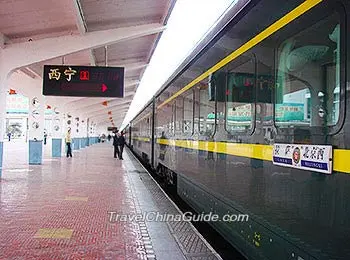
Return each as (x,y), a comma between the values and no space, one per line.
(178,239)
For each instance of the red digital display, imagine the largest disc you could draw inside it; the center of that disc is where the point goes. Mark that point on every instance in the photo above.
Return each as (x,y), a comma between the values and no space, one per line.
(83,81)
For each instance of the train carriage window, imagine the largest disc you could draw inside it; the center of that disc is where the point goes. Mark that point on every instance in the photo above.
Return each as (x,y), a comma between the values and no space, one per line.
(240,94)
(308,77)
(164,116)
(160,119)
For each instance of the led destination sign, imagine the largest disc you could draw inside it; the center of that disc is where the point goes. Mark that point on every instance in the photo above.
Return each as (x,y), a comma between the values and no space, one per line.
(83,81)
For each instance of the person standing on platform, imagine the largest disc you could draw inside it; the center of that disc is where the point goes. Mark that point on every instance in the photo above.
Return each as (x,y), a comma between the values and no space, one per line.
(69,144)
(9,136)
(115,144)
(45,138)
(121,143)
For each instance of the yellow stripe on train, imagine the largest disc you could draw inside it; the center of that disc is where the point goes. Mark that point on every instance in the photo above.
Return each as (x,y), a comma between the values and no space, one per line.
(145,139)
(256,151)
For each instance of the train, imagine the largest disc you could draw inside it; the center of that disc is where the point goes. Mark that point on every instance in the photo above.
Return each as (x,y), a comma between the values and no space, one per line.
(256,120)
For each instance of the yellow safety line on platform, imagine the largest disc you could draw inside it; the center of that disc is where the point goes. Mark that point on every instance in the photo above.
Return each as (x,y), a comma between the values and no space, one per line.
(256,151)
(289,17)
(75,198)
(62,233)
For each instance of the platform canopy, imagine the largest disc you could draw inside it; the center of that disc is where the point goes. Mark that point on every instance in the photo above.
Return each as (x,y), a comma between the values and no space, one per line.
(81,32)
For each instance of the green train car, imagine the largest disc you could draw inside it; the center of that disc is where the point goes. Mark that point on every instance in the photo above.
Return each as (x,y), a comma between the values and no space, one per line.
(231,128)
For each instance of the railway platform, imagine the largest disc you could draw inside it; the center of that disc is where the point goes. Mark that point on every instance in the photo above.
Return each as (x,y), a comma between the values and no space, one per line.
(91,206)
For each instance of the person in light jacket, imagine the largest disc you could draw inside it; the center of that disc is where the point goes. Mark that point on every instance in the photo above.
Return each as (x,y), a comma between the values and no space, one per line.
(69,144)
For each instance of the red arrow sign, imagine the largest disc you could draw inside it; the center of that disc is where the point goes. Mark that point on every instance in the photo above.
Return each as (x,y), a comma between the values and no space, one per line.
(104,88)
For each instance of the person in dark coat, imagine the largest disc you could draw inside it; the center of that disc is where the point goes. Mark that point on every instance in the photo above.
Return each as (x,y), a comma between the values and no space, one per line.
(162,147)
(121,143)
(115,144)
(45,137)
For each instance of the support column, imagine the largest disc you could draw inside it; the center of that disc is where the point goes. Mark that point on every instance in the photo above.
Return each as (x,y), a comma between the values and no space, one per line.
(57,133)
(83,133)
(68,125)
(36,129)
(88,132)
(3,94)
(92,139)
(86,129)
(76,133)
(94,133)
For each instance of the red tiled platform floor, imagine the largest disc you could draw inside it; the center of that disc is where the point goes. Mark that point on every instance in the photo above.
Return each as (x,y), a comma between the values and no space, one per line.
(59,210)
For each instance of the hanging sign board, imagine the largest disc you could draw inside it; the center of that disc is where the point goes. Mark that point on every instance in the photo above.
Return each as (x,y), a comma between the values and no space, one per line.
(112,128)
(83,81)
(316,158)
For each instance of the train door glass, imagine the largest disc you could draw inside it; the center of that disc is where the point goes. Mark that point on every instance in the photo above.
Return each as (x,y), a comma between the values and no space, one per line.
(143,127)
(172,119)
(308,77)
(207,112)
(196,117)
(179,116)
(188,114)
(161,121)
(149,126)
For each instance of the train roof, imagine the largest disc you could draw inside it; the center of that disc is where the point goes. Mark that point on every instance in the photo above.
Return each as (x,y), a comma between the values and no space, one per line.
(207,40)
